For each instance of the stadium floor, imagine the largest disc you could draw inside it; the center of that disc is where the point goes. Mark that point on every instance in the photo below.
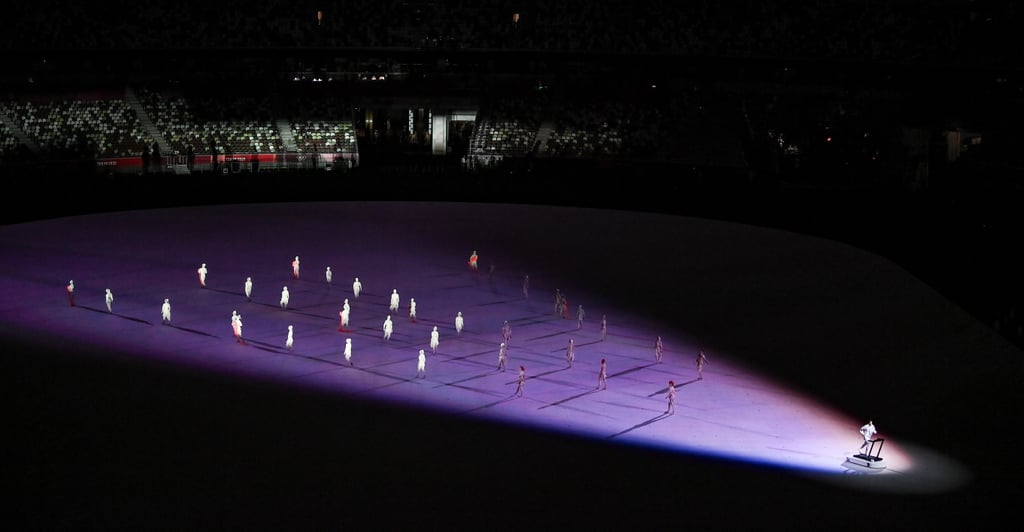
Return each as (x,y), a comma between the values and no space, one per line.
(122,420)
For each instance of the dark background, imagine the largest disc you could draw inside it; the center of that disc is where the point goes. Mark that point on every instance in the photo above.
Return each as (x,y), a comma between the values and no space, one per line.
(100,444)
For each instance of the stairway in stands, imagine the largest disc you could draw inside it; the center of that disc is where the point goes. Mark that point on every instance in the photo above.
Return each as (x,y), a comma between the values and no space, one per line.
(16,130)
(147,123)
(175,161)
(543,134)
(284,127)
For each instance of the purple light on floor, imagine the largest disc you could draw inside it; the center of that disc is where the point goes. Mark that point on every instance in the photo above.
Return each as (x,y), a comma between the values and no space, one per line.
(732,413)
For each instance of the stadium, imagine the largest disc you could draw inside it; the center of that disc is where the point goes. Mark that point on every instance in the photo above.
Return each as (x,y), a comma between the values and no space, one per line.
(765,179)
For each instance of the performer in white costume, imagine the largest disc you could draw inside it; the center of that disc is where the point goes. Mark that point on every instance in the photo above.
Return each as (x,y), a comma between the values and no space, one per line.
(236,326)
(290,341)
(868,431)
(285,296)
(459,324)
(356,288)
(394,301)
(348,351)
(202,275)
(421,365)
(110,300)
(345,311)
(388,328)
(248,288)
(502,356)
(434,340)
(295,267)
(165,311)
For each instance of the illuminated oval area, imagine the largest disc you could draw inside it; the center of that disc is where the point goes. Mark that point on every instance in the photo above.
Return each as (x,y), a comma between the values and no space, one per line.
(700,270)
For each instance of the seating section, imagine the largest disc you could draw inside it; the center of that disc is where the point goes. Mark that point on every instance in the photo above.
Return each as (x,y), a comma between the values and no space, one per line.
(241,125)
(9,143)
(588,131)
(324,136)
(697,128)
(508,128)
(67,127)
(77,127)
(504,135)
(919,31)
